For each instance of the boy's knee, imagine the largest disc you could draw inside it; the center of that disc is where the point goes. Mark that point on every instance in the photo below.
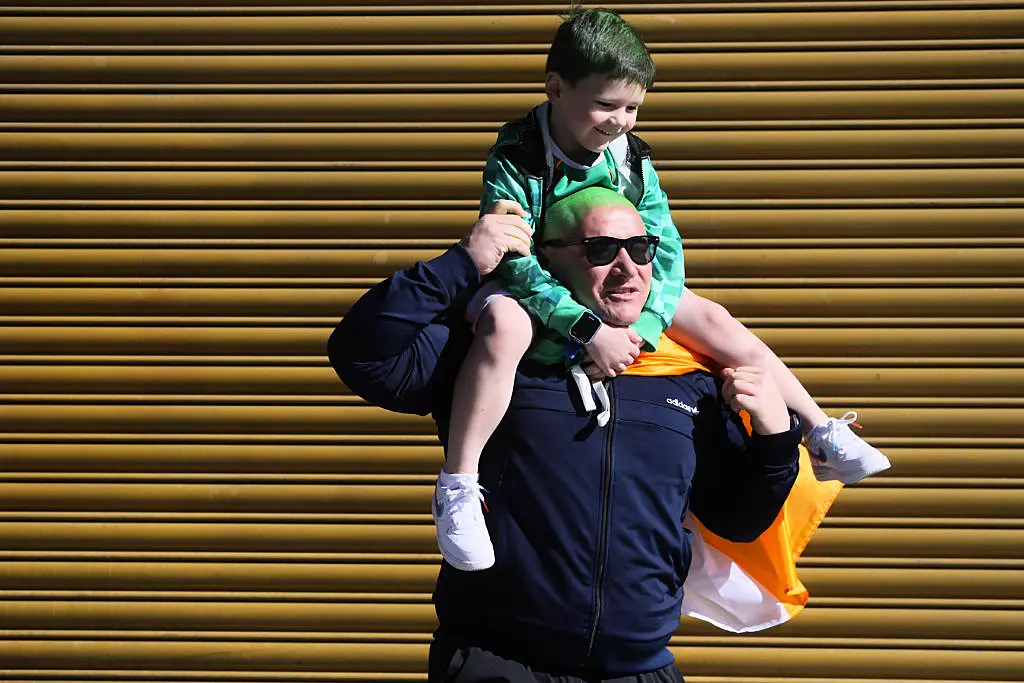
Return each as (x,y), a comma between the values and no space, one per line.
(506,326)
(748,349)
(706,313)
(743,346)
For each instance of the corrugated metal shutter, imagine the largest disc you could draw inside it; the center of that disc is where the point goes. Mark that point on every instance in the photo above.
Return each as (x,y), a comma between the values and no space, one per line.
(192,193)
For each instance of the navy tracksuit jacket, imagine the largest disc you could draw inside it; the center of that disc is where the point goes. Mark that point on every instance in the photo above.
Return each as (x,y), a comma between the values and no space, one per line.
(586,521)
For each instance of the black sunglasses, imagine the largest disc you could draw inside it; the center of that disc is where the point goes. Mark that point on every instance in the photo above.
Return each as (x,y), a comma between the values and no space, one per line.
(602,250)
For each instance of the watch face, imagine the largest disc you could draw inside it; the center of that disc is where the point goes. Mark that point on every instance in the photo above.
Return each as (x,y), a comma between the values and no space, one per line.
(585,328)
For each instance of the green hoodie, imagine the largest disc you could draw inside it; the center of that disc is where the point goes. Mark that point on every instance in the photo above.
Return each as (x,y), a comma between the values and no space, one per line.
(520,167)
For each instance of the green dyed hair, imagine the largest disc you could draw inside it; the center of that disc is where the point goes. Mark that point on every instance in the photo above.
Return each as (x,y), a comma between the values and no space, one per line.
(599,41)
(566,214)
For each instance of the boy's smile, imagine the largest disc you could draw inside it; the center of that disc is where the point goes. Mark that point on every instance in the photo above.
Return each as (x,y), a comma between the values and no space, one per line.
(588,116)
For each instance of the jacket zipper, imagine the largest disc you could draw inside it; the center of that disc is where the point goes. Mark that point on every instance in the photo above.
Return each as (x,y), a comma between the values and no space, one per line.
(602,549)
(643,179)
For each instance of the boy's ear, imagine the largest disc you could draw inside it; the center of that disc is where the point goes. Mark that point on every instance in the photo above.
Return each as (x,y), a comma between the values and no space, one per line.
(553,85)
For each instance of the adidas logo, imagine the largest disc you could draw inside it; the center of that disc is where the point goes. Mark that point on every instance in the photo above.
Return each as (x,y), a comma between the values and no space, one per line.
(679,404)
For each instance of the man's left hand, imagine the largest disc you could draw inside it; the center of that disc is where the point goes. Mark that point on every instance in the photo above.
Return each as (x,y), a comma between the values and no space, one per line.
(501,230)
(752,389)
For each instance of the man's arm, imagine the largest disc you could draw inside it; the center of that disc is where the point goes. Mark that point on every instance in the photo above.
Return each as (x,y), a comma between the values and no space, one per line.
(391,347)
(742,480)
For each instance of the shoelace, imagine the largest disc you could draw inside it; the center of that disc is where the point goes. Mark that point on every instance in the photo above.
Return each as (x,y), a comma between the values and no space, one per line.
(850,418)
(458,498)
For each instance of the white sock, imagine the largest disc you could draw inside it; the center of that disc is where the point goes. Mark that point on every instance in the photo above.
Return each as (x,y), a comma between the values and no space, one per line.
(457,481)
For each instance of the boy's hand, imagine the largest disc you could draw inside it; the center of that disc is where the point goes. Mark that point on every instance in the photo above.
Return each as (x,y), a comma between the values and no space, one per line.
(611,351)
(501,230)
(752,389)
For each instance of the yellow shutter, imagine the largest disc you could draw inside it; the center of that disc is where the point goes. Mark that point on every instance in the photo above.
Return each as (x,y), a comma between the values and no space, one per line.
(191,195)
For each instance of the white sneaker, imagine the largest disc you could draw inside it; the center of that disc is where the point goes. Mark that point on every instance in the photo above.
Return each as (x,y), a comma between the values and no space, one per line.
(461,530)
(838,453)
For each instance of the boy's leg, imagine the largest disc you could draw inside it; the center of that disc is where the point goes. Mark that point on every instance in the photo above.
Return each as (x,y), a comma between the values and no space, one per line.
(483,388)
(483,391)
(709,329)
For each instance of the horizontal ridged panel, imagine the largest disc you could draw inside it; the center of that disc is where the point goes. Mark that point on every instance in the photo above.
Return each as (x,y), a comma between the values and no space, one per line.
(348,677)
(397,537)
(254,459)
(358,7)
(292,577)
(752,106)
(328,304)
(364,498)
(257,460)
(204,656)
(195,497)
(214,419)
(315,222)
(354,617)
(192,194)
(308,343)
(902,664)
(296,578)
(407,657)
(82,145)
(167,417)
(334,185)
(98,379)
(345,31)
(379,261)
(695,67)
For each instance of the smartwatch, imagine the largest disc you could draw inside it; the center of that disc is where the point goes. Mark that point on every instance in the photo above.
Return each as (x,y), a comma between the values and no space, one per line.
(583,330)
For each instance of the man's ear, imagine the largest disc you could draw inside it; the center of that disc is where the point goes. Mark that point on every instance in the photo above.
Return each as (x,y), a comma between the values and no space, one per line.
(553,85)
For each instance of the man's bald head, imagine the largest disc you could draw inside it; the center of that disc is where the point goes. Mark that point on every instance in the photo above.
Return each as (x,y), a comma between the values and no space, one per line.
(563,218)
(617,290)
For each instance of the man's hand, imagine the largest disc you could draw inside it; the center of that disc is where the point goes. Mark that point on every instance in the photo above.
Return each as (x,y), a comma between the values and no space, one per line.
(752,389)
(611,351)
(501,230)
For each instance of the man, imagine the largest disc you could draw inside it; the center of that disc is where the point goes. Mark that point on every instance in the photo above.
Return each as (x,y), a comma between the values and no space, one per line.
(590,553)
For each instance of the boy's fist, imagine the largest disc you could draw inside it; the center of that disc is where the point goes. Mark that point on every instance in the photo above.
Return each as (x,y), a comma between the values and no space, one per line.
(752,389)
(611,351)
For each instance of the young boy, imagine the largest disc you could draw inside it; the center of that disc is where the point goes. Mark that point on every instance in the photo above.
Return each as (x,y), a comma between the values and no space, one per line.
(598,73)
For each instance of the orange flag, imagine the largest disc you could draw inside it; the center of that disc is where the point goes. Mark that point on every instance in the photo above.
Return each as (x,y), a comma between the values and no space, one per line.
(743,587)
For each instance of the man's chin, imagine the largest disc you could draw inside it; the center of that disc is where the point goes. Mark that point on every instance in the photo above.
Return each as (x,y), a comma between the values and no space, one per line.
(620,316)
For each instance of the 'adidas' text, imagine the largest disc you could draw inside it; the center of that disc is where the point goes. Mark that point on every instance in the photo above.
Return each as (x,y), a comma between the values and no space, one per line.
(679,404)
